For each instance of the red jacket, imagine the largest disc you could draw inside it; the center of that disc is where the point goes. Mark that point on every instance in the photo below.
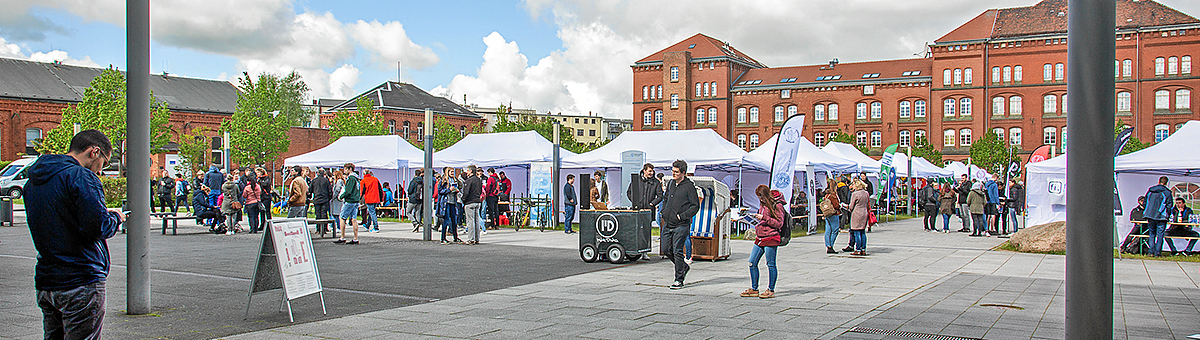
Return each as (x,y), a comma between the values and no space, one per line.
(767,231)
(493,186)
(370,189)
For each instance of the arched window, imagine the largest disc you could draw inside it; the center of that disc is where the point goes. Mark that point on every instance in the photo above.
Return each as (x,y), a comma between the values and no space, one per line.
(905,109)
(1127,68)
(741,140)
(712,115)
(647,118)
(905,137)
(950,138)
(754,114)
(1183,100)
(1047,72)
(792,110)
(33,134)
(1160,66)
(919,109)
(876,110)
(819,139)
(1173,66)
(948,107)
(833,112)
(699,89)
(1063,142)
(918,135)
(1185,65)
(700,116)
(860,111)
(741,113)
(967,76)
(1050,135)
(420,131)
(958,76)
(754,141)
(1161,132)
(1124,101)
(779,117)
(1064,103)
(659,94)
(1014,105)
(1059,71)
(462,131)
(995,74)
(714,88)
(964,107)
(706,89)
(946,78)
(1162,100)
(1014,136)
(818,112)
(860,138)
(391,126)
(997,106)
(645,93)
(876,139)
(1007,74)
(406,129)
(658,117)
(964,137)
(999,132)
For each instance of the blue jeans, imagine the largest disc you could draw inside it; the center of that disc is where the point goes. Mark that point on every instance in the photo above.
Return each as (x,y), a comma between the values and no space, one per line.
(76,313)
(372,219)
(756,253)
(1014,214)
(832,223)
(946,222)
(860,239)
(1157,230)
(569,214)
(253,211)
(450,223)
(687,246)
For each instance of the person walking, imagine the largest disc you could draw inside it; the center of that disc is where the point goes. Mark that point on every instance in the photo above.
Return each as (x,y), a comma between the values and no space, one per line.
(372,194)
(336,203)
(351,194)
(860,207)
(682,204)
(830,208)
(413,209)
(963,191)
(448,205)
(975,206)
(322,193)
(181,193)
(766,241)
(648,193)
(69,225)
(297,194)
(1158,212)
(946,206)
(166,192)
(569,202)
(253,206)
(230,204)
(1016,202)
(472,195)
(929,205)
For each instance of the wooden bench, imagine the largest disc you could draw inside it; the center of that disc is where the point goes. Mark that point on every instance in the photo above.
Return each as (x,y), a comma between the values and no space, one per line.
(393,211)
(174,223)
(322,226)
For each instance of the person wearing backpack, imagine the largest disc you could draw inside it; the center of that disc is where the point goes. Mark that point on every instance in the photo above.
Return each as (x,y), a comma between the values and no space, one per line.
(829,209)
(415,192)
(166,192)
(767,239)
(181,193)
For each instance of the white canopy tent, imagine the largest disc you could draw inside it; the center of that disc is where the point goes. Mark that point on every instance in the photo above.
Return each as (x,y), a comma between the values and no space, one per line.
(702,148)
(384,155)
(847,151)
(959,169)
(921,168)
(508,152)
(809,154)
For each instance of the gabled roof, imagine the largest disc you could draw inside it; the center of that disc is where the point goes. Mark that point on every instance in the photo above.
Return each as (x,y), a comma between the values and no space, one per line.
(703,46)
(871,71)
(406,97)
(25,79)
(1050,16)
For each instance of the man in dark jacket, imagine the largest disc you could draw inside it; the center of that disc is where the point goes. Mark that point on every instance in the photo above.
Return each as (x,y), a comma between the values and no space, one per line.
(682,204)
(412,209)
(1158,211)
(213,180)
(321,191)
(472,196)
(648,193)
(166,192)
(1016,202)
(569,203)
(964,212)
(205,213)
(929,205)
(69,226)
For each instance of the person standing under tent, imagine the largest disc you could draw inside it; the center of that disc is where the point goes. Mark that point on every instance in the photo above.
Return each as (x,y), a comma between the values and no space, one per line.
(767,238)
(799,207)
(1016,202)
(649,192)
(351,195)
(472,195)
(963,191)
(976,202)
(601,187)
(830,209)
(321,191)
(946,206)
(1158,212)
(860,207)
(1181,213)
(681,205)
(297,193)
(416,189)
(491,196)
(595,196)
(372,194)
(505,195)
(569,202)
(335,202)
(448,204)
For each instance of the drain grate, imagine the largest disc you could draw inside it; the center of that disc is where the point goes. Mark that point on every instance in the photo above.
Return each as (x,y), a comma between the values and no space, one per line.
(907,334)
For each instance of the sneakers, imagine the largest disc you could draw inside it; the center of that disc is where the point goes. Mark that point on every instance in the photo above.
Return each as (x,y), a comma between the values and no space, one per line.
(352,242)
(687,260)
(750,292)
(376,231)
(847,248)
(229,232)
(340,240)
(677,285)
(829,250)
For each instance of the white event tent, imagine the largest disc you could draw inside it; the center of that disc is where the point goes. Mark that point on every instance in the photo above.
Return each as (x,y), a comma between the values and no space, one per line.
(921,168)
(959,169)
(847,151)
(384,155)
(511,152)
(808,154)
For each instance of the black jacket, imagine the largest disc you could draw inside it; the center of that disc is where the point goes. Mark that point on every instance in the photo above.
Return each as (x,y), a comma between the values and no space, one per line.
(472,189)
(68,222)
(416,188)
(963,189)
(682,203)
(569,195)
(929,196)
(649,193)
(321,190)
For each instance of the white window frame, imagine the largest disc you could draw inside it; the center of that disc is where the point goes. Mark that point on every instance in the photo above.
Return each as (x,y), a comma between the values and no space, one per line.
(1183,100)
(876,139)
(868,90)
(754,114)
(860,138)
(645,93)
(905,109)
(674,126)
(964,137)
(1014,136)
(1162,100)
(819,112)
(658,117)
(700,116)
(674,101)
(958,80)
(1047,72)
(753,141)
(819,139)
(860,111)
(947,79)
(1185,65)
(1060,72)
(1160,66)
(1161,132)
(905,138)
(832,112)
(1173,66)
(741,140)
(714,88)
(919,108)
(967,76)
(712,115)
(674,73)
(964,107)
(698,89)
(779,114)
(876,110)
(997,106)
(1008,74)
(919,134)
(647,117)
(995,74)
(1124,101)
(1050,104)
(1050,135)
(1017,73)
(1014,106)
(785,94)
(792,110)
(1127,68)
(949,107)
(741,115)
(949,137)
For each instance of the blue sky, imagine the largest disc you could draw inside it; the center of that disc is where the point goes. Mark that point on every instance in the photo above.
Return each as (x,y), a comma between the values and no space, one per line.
(568,56)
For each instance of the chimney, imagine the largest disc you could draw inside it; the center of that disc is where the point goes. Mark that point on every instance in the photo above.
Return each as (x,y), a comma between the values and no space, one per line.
(833,63)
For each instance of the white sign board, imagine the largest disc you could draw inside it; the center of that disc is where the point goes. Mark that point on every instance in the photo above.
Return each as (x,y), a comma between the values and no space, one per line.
(293,249)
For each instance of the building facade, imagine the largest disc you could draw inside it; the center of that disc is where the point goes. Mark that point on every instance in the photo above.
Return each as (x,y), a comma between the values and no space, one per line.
(402,106)
(981,77)
(587,129)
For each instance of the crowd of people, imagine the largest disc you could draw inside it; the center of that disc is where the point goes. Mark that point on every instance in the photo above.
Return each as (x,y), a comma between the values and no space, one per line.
(464,201)
(1160,215)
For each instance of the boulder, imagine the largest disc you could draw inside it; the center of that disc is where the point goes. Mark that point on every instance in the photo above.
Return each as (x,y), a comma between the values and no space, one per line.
(1050,237)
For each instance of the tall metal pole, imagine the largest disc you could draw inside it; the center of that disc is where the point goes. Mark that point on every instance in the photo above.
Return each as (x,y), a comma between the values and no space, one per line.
(427,216)
(224,149)
(1089,277)
(137,120)
(554,203)
(910,181)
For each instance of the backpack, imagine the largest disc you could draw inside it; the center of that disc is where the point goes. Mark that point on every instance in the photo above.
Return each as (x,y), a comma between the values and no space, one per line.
(785,232)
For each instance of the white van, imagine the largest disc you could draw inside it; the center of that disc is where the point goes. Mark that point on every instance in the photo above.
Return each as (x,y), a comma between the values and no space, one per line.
(14,176)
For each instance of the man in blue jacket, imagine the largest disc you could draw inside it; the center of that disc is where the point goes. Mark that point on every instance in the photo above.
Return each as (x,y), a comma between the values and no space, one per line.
(69,224)
(992,207)
(1158,211)
(213,180)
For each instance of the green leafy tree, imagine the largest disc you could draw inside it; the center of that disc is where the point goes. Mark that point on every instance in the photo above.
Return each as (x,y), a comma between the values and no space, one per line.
(266,109)
(446,134)
(922,148)
(1134,144)
(194,149)
(363,121)
(846,138)
(103,108)
(992,154)
(545,127)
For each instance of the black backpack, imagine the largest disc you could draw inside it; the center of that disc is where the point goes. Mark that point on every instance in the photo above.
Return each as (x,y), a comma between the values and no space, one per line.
(785,232)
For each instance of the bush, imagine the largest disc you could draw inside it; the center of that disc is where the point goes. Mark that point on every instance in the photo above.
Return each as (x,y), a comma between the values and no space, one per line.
(114,190)
(4,164)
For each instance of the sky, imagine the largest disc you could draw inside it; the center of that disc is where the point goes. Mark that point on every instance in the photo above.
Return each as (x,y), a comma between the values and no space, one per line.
(569,56)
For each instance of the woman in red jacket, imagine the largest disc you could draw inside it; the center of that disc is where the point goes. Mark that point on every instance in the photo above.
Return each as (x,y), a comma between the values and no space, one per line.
(770,221)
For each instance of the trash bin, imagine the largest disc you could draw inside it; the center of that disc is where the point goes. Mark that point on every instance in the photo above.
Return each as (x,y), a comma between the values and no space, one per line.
(6,210)
(616,235)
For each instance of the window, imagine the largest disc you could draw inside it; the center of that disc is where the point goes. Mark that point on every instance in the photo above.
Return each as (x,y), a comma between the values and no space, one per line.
(792,111)
(1162,100)
(1117,69)
(579,132)
(1059,71)
(1161,132)
(964,107)
(645,93)
(1063,141)
(876,110)
(1017,73)
(741,115)
(1124,101)
(705,85)
(712,115)
(647,118)
(964,137)
(1046,73)
(946,78)
(700,116)
(818,112)
(576,120)
(1183,100)
(819,138)
(833,112)
(712,65)
(1173,66)
(658,117)
(1127,68)
(1014,105)
(957,76)
(33,134)
(1185,65)
(995,74)
(391,126)
(713,85)
(1007,74)
(674,126)
(1050,135)
(905,109)
(1014,136)
(919,109)
(868,89)
(699,89)
(860,111)
(674,101)
(741,141)
(1160,66)
(754,115)
(754,141)
(876,139)
(950,137)
(948,108)
(997,106)
(861,138)
(462,131)
(420,131)
(905,137)
(674,73)
(659,94)
(999,132)
(1064,103)
(785,94)
(919,134)
(967,76)
(779,117)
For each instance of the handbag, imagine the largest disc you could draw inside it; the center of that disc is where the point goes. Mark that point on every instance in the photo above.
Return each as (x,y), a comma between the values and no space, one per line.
(236,205)
(871,219)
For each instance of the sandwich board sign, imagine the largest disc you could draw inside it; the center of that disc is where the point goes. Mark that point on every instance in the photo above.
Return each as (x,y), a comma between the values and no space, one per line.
(286,262)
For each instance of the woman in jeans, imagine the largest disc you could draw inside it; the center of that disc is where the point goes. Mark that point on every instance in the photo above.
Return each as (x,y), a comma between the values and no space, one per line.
(252,192)
(946,208)
(832,218)
(447,204)
(229,195)
(860,207)
(766,242)
(335,203)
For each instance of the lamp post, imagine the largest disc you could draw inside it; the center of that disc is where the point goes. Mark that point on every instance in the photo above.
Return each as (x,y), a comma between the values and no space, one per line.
(225,150)
(554,203)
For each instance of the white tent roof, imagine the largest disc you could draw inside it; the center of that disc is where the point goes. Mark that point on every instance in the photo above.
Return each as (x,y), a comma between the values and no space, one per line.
(699,147)
(378,152)
(808,154)
(959,169)
(1057,164)
(498,150)
(1175,155)
(847,151)
(921,168)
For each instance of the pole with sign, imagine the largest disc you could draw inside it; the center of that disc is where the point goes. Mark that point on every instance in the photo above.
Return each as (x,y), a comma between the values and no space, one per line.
(294,270)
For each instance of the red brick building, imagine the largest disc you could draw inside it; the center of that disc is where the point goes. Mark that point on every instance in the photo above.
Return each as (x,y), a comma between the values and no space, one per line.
(403,105)
(982,76)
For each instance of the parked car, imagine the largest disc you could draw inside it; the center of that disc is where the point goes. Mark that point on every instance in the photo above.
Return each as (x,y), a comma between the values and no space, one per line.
(14,176)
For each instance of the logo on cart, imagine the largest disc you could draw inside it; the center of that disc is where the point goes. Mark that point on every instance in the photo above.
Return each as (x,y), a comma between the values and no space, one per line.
(606,226)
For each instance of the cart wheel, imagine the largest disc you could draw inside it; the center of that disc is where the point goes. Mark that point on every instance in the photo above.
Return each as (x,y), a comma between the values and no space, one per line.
(616,254)
(588,253)
(634,257)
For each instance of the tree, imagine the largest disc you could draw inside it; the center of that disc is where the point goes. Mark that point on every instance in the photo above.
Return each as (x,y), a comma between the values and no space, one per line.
(363,121)
(266,109)
(846,138)
(922,148)
(194,148)
(543,126)
(446,134)
(991,153)
(103,108)
(1134,144)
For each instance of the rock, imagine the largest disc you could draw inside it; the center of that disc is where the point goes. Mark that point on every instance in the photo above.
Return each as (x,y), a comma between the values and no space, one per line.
(1050,237)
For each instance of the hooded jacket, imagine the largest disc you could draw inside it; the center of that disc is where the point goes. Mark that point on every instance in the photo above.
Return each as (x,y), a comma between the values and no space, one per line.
(320,189)
(681,203)
(371,191)
(648,195)
(993,192)
(766,232)
(1158,203)
(69,223)
(214,179)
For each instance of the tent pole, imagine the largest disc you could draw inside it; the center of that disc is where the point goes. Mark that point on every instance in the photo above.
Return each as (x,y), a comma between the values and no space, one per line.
(427,215)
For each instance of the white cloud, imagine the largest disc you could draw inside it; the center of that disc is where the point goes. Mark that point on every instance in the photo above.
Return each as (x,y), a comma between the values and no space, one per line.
(8,50)
(389,43)
(342,81)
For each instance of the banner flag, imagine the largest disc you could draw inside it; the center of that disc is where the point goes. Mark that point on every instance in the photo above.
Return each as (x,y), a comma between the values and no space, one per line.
(887,173)
(1121,140)
(1040,154)
(783,163)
